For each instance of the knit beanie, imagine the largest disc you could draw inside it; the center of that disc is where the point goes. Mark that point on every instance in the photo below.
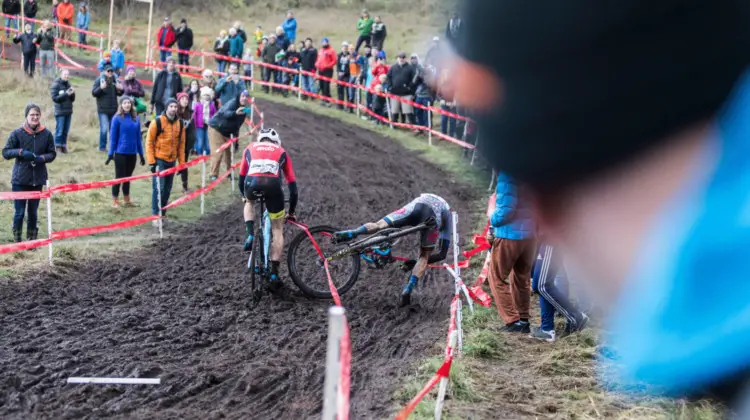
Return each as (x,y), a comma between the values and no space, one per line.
(29,107)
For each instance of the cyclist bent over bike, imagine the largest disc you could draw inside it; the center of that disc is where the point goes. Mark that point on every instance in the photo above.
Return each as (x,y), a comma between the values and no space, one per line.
(428,208)
(263,163)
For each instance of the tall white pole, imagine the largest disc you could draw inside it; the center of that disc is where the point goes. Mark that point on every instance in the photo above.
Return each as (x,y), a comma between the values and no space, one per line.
(474,152)
(444,381)
(231,160)
(429,125)
(158,201)
(203,184)
(358,100)
(262,122)
(49,223)
(336,325)
(111,13)
(148,36)
(22,29)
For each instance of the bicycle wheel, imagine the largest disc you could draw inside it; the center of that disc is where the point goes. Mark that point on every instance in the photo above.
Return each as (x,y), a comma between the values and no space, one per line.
(258,268)
(307,269)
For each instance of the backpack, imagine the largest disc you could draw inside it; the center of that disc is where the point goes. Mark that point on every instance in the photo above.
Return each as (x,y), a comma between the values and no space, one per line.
(160,130)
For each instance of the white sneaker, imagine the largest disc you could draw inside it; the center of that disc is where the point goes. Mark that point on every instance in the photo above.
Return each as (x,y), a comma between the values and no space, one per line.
(539,334)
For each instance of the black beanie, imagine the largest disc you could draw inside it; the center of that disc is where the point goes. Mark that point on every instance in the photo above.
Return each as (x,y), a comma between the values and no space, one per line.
(589,84)
(29,107)
(169,102)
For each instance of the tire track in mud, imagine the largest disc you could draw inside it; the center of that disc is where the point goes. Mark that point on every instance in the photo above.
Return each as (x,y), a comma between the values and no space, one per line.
(178,309)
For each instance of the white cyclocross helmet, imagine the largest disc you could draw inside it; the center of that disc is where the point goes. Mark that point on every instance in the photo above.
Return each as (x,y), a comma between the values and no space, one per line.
(269,134)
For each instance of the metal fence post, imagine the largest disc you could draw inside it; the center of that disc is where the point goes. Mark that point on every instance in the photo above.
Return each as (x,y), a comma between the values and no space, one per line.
(358,100)
(49,223)
(203,184)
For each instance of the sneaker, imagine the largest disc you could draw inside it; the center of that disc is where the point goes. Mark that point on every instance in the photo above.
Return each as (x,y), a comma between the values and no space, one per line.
(406,292)
(343,236)
(214,178)
(517,327)
(578,326)
(155,223)
(405,299)
(274,282)
(249,243)
(540,334)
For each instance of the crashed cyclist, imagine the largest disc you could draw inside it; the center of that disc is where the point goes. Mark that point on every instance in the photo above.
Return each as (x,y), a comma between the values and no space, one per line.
(265,164)
(429,208)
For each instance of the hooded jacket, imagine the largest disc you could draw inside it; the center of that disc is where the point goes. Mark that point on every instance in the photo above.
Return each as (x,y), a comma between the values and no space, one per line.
(184,38)
(160,84)
(41,143)
(63,101)
(290,29)
(166,36)
(236,46)
(512,218)
(65,12)
(46,40)
(364,26)
(326,59)
(308,57)
(400,78)
(30,9)
(28,42)
(125,135)
(169,145)
(12,7)
(226,121)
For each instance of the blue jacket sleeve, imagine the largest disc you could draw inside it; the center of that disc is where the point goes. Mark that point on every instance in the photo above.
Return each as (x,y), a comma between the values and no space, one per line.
(139,143)
(114,135)
(506,201)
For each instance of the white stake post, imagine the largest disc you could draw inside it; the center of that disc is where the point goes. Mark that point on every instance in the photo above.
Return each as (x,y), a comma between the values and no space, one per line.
(117,381)
(388,108)
(101,42)
(252,108)
(203,184)
(358,100)
(457,278)
(429,125)
(203,59)
(158,200)
(262,121)
(444,381)
(252,74)
(474,152)
(492,180)
(299,85)
(231,160)
(49,223)
(336,325)
(21,29)
(148,34)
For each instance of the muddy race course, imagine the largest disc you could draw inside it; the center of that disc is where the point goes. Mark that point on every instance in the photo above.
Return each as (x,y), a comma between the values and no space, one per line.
(179,309)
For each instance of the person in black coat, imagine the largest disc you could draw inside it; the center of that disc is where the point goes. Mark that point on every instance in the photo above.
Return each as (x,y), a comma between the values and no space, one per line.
(11,7)
(308,58)
(63,95)
(184,42)
(30,8)
(32,147)
(27,39)
(106,90)
(167,85)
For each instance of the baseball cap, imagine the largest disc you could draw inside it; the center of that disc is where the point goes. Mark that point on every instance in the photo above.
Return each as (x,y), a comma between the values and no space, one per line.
(325,41)
(401,55)
(344,44)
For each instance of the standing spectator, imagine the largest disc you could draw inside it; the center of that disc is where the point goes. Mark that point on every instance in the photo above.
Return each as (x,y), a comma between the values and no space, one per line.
(193,91)
(281,39)
(236,44)
(46,41)
(184,36)
(55,4)
(12,8)
(247,67)
(221,48)
(241,32)
(269,57)
(32,146)
(342,72)
(133,88)
(379,106)
(356,66)
(364,27)
(208,79)
(63,95)
(258,34)
(30,9)
(65,13)
(82,22)
(282,77)
(325,63)
(399,79)
(308,57)
(106,89)
(230,86)
(125,147)
(167,85)
(224,125)
(434,55)
(28,48)
(513,254)
(453,29)
(447,103)
(369,77)
(293,60)
(203,111)
(290,27)
(166,37)
(185,114)
(423,94)
(379,33)
(118,57)
(165,147)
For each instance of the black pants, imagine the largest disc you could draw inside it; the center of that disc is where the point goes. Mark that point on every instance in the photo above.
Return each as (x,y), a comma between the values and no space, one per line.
(342,90)
(183,59)
(325,86)
(29,63)
(25,207)
(362,40)
(124,167)
(269,76)
(189,144)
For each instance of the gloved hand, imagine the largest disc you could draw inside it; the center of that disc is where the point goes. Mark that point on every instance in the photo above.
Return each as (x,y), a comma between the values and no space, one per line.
(407,265)
(152,168)
(291,217)
(143,161)
(27,155)
(38,159)
(109,159)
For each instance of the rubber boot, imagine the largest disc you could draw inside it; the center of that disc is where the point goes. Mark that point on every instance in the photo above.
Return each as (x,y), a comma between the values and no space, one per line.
(115,203)
(406,292)
(32,235)
(17,235)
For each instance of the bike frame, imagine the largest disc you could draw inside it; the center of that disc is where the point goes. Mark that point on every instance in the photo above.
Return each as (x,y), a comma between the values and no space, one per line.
(376,239)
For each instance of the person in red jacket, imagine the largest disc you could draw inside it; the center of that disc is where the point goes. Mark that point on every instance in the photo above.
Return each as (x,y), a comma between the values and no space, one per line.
(65,12)
(325,63)
(165,38)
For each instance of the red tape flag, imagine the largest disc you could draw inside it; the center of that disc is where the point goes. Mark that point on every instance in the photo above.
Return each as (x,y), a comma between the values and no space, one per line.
(73,233)
(24,195)
(23,246)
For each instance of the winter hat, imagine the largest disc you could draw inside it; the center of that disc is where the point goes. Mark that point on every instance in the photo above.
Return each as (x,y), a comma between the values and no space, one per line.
(124,98)
(107,54)
(29,107)
(127,70)
(181,95)
(108,67)
(169,102)
(207,91)
(325,41)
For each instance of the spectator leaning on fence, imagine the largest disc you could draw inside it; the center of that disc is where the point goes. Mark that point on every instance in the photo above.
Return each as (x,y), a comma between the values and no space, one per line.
(399,79)
(106,89)
(424,94)
(30,9)
(46,41)
(203,111)
(364,29)
(167,85)
(308,57)
(164,150)
(13,8)
(290,27)
(224,125)
(126,146)
(447,103)
(236,44)
(63,95)
(82,22)
(118,57)
(184,36)
(27,39)
(32,147)
(325,64)
(293,62)
(379,33)
(65,14)
(185,114)
(165,38)
(221,48)
(356,66)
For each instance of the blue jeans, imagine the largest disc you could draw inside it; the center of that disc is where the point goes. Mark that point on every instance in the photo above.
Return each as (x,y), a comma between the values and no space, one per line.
(163,55)
(62,128)
(81,37)
(104,121)
(201,141)
(165,183)
(446,121)
(422,114)
(221,65)
(22,206)
(551,283)
(11,23)
(308,83)
(353,91)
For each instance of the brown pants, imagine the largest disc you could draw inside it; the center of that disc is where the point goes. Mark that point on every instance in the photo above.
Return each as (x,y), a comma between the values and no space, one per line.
(510,277)
(216,139)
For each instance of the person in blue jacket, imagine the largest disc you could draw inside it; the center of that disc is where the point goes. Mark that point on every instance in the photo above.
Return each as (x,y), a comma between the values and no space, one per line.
(117,56)
(290,27)
(236,44)
(125,147)
(82,22)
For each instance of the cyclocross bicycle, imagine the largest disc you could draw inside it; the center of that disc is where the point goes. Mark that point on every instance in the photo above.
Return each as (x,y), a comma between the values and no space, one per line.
(257,263)
(343,259)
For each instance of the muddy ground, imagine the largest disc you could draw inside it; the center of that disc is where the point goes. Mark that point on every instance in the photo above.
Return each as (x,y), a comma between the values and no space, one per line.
(179,309)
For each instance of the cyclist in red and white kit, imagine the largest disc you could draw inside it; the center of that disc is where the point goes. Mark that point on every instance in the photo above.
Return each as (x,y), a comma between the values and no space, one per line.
(265,165)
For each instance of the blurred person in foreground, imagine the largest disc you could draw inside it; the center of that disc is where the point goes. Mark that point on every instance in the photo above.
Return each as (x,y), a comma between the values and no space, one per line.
(33,147)
(643,179)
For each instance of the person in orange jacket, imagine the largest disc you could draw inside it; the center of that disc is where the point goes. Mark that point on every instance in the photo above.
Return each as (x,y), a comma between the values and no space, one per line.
(165,148)
(65,13)
(325,63)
